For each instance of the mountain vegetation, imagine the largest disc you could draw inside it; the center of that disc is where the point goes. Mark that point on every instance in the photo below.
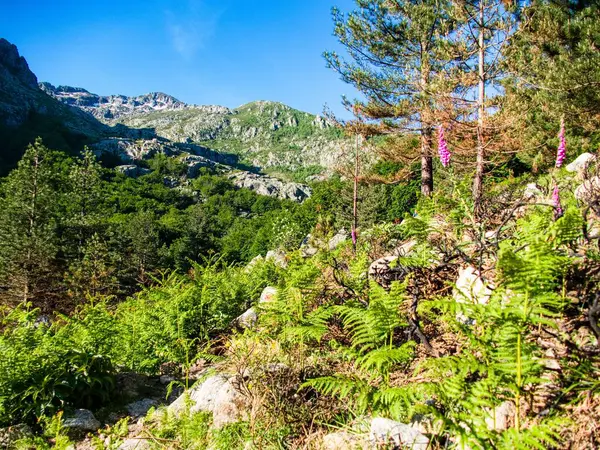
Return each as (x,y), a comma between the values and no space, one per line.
(156,301)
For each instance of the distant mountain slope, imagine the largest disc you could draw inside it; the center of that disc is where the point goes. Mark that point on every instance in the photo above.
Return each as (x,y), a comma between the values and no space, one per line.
(264,134)
(27,112)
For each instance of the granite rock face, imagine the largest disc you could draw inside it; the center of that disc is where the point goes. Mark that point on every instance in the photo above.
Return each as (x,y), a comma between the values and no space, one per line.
(266,185)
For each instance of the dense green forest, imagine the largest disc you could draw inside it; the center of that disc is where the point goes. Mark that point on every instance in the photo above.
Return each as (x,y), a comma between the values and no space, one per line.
(443,296)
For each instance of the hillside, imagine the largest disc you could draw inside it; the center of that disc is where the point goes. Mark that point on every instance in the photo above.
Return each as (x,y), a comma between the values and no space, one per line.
(264,134)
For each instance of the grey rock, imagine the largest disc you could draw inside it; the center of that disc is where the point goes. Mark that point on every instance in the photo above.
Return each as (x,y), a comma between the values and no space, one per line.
(217,394)
(135,444)
(499,419)
(83,420)
(166,379)
(589,191)
(381,270)
(337,240)
(268,295)
(278,257)
(140,408)
(581,163)
(247,319)
(266,185)
(132,171)
(9,435)
(386,432)
(308,248)
(532,191)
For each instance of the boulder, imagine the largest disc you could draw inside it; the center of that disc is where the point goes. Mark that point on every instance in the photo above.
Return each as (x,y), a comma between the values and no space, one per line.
(405,248)
(133,171)
(81,420)
(581,163)
(532,192)
(266,185)
(268,295)
(501,416)
(588,192)
(337,240)
(470,288)
(381,271)
(9,435)
(247,320)
(389,432)
(307,247)
(218,394)
(141,407)
(278,257)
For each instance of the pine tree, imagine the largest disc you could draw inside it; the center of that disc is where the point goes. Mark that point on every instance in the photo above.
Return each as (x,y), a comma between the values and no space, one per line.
(28,221)
(84,200)
(399,52)
(555,73)
(486,28)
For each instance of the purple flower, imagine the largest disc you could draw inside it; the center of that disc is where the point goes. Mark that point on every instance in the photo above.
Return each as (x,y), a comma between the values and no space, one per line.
(556,202)
(443,148)
(354,237)
(562,145)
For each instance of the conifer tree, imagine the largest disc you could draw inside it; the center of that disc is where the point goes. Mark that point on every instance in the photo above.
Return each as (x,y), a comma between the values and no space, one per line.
(486,28)
(399,51)
(84,201)
(554,65)
(28,219)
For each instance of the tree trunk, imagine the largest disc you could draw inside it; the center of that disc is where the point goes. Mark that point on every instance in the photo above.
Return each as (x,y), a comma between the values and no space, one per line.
(355,197)
(426,161)
(480,165)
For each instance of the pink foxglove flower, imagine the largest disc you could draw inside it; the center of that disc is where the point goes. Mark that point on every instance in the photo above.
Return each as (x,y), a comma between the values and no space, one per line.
(558,212)
(562,145)
(354,237)
(443,148)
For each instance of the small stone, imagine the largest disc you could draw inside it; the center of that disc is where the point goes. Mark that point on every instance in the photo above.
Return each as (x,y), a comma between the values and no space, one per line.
(337,240)
(83,420)
(141,407)
(13,433)
(278,257)
(500,417)
(532,191)
(166,379)
(386,432)
(344,440)
(135,444)
(268,295)
(247,320)
(589,191)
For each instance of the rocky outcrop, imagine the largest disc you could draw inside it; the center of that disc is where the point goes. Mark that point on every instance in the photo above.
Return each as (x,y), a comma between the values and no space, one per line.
(266,185)
(9,435)
(109,107)
(133,171)
(20,97)
(13,65)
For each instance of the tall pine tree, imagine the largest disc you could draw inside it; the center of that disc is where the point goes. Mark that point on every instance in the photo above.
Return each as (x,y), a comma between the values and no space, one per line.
(399,52)
(28,220)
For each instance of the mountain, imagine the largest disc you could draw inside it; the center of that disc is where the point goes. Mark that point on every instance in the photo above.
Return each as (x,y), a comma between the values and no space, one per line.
(26,112)
(263,133)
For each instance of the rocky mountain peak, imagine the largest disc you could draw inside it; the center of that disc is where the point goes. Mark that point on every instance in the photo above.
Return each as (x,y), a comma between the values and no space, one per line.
(13,65)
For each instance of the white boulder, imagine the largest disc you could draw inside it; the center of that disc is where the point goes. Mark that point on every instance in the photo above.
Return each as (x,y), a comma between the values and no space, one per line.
(581,163)
(385,432)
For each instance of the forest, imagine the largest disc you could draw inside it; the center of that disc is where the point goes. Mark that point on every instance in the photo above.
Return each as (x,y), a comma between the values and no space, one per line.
(438,291)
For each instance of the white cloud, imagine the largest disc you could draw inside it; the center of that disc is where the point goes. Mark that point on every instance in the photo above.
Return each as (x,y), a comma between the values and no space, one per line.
(191,26)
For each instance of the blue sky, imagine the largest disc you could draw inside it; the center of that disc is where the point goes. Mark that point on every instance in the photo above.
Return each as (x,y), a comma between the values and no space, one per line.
(226,52)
